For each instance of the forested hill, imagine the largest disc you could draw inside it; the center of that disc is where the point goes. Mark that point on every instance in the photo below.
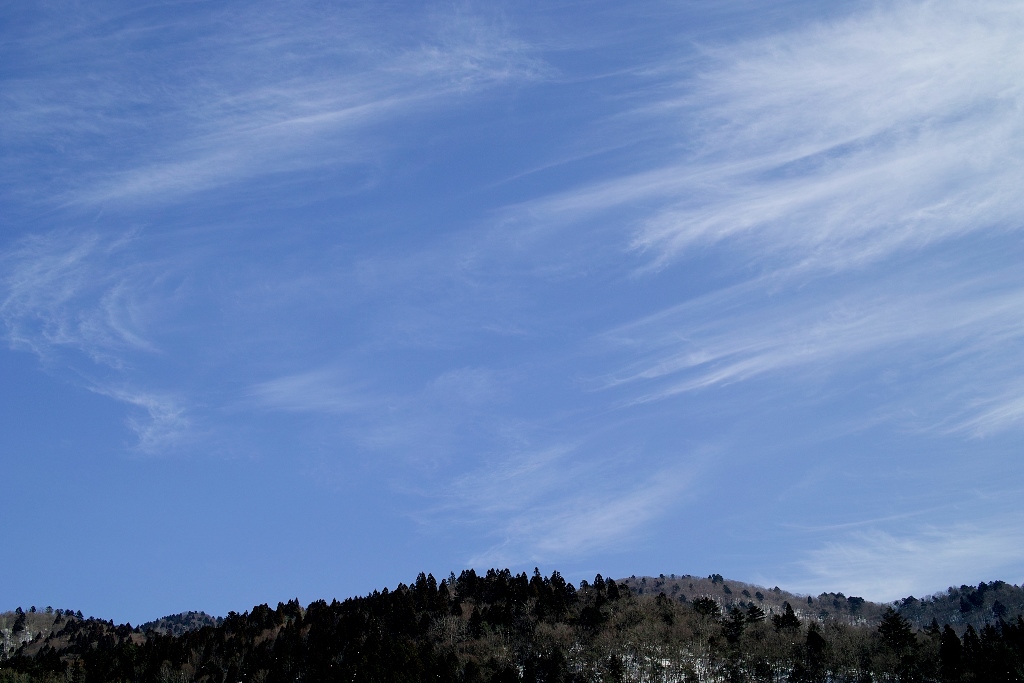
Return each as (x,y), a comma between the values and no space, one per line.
(967,605)
(506,628)
(20,627)
(960,607)
(177,624)
(729,593)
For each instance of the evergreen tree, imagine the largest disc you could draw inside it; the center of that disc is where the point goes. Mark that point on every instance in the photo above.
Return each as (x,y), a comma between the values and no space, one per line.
(898,645)
(734,625)
(755,614)
(814,656)
(950,656)
(787,620)
(19,622)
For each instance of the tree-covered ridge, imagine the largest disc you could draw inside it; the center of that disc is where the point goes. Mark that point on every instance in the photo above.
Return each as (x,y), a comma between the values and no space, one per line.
(177,624)
(728,594)
(960,607)
(508,628)
(22,626)
(966,606)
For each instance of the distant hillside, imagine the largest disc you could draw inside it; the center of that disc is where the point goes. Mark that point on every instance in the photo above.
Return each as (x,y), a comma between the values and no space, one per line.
(728,593)
(513,628)
(961,607)
(178,624)
(19,626)
(23,627)
(965,606)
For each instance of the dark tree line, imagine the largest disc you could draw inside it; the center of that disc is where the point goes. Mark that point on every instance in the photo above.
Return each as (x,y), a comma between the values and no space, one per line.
(514,628)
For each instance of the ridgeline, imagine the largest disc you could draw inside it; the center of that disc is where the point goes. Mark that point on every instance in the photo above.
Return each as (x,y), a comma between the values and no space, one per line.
(507,628)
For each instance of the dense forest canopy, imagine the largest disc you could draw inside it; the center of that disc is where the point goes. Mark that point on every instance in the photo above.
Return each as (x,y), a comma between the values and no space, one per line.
(507,628)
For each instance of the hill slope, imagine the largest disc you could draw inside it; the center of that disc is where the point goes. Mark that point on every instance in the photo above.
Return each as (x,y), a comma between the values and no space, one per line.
(505,628)
(960,607)
(178,624)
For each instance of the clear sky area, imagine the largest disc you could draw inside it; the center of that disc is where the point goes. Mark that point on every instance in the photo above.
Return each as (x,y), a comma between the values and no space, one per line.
(299,299)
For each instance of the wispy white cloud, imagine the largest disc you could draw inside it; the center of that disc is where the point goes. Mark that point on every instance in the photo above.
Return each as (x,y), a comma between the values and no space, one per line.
(563,502)
(571,527)
(940,330)
(236,96)
(828,147)
(804,160)
(80,303)
(815,155)
(886,566)
(160,422)
(226,96)
(325,390)
(68,291)
(848,141)
(994,414)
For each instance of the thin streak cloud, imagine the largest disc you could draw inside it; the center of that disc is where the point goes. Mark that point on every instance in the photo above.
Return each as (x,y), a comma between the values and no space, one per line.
(85,304)
(884,566)
(221,107)
(958,346)
(829,147)
(72,293)
(548,505)
(316,391)
(159,422)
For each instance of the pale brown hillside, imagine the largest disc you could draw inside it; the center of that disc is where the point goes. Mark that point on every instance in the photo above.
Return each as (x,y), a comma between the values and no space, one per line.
(22,626)
(729,593)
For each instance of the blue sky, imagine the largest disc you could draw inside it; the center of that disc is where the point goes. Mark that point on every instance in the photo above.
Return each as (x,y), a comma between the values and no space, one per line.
(300,299)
